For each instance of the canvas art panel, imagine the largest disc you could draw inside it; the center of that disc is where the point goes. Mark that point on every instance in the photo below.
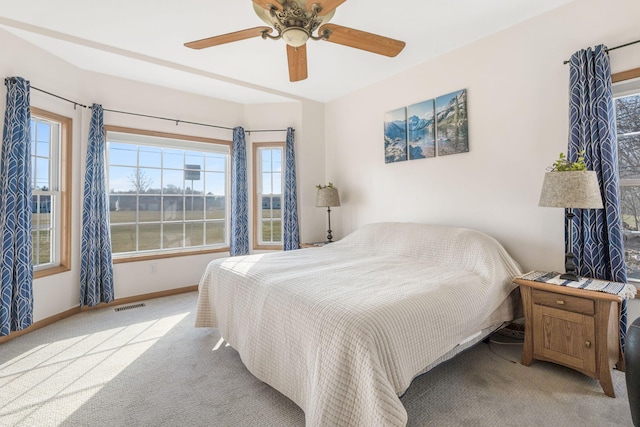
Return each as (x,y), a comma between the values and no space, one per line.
(452,134)
(395,135)
(421,129)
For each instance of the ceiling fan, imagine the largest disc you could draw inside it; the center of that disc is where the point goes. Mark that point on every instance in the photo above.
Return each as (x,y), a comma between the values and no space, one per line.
(296,21)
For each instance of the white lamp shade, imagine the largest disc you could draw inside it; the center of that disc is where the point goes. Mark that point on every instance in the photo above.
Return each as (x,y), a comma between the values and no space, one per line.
(295,36)
(327,196)
(571,189)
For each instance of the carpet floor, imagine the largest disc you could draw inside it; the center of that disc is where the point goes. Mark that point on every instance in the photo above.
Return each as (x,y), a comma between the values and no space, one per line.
(148,366)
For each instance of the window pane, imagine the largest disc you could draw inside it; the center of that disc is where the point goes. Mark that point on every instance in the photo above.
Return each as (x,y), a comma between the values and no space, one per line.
(149,208)
(150,157)
(122,179)
(266,160)
(277,183)
(123,238)
(122,208)
(216,162)
(194,234)
(144,180)
(214,183)
(123,154)
(172,158)
(628,114)
(172,181)
(629,156)
(277,160)
(215,232)
(43,134)
(194,158)
(42,174)
(173,234)
(41,246)
(215,207)
(194,208)
(172,207)
(267,183)
(149,237)
(630,206)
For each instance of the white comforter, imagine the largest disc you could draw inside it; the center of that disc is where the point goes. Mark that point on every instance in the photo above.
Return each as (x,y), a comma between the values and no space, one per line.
(342,330)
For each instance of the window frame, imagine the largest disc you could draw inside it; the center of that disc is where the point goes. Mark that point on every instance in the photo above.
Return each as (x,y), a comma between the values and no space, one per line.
(62,227)
(621,77)
(257,193)
(119,258)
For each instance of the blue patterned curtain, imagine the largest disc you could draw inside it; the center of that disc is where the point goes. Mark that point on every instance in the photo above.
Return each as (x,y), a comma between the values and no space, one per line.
(96,268)
(16,269)
(290,236)
(239,244)
(597,233)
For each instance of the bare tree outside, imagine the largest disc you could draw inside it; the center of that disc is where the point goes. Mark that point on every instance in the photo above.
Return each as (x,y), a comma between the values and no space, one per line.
(140,181)
(628,136)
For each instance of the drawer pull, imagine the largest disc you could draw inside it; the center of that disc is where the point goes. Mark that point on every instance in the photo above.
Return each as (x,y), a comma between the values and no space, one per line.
(560,302)
(587,344)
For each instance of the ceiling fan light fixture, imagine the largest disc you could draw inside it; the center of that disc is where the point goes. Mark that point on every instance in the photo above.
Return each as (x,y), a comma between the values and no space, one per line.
(295,36)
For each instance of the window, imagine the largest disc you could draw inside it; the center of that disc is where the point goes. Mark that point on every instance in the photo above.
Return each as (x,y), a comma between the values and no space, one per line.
(168,194)
(627,110)
(50,204)
(268,160)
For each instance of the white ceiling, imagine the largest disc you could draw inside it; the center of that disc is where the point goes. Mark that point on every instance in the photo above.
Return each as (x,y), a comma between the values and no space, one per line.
(143,40)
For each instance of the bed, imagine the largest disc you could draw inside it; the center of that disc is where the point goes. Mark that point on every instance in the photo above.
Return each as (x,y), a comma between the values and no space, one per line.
(343,329)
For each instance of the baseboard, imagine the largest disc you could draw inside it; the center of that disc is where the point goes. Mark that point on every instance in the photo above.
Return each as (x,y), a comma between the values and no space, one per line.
(73,311)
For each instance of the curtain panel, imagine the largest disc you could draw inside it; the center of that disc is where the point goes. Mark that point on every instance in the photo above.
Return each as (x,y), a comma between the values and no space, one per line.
(597,233)
(239,244)
(16,244)
(96,267)
(290,235)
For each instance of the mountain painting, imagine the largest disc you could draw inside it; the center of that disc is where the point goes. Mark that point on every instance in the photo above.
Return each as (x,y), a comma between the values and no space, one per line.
(452,129)
(395,135)
(421,130)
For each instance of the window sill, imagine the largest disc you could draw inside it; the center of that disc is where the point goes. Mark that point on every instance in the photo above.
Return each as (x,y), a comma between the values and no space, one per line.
(50,271)
(134,258)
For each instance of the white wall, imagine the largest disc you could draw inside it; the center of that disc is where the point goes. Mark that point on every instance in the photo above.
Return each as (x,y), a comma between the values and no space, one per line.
(58,293)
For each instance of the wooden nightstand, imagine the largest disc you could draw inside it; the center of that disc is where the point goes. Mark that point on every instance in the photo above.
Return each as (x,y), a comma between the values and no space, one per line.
(572,327)
(312,245)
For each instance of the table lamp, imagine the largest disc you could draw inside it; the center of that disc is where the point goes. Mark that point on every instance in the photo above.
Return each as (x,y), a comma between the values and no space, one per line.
(328,197)
(571,190)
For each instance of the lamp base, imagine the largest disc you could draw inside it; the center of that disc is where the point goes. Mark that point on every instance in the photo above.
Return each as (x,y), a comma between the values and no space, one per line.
(570,276)
(329,237)
(570,268)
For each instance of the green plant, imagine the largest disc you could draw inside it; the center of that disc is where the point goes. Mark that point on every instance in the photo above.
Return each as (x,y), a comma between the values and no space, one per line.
(320,186)
(563,164)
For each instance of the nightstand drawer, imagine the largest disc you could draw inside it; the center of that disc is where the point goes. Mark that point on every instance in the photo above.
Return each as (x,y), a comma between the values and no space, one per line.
(564,302)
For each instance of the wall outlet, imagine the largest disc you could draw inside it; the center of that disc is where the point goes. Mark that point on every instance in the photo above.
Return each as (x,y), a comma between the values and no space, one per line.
(153,268)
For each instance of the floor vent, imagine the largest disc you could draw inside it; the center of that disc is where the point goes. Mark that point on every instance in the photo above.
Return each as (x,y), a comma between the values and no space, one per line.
(129,307)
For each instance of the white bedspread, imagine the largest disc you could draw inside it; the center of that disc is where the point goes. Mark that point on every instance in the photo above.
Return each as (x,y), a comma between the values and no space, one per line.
(342,330)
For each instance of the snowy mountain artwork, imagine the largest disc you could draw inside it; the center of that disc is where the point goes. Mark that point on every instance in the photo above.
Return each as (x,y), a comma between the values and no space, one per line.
(395,135)
(421,130)
(452,129)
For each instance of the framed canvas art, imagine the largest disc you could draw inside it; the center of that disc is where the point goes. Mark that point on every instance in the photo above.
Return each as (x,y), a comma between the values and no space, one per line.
(421,129)
(395,135)
(452,133)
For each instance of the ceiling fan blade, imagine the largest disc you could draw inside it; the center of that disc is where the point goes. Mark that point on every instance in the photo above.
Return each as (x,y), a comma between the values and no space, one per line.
(363,40)
(327,5)
(228,38)
(297,57)
(267,4)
